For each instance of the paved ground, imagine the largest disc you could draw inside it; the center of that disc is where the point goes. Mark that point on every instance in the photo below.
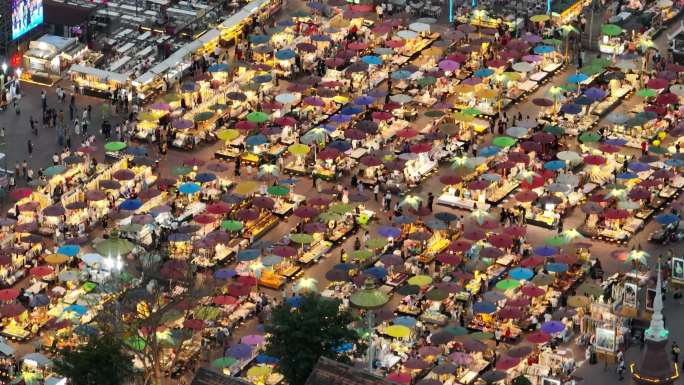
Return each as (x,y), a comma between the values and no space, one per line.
(18,133)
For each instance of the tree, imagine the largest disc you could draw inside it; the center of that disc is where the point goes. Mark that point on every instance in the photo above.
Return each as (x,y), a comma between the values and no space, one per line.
(521,380)
(102,361)
(300,335)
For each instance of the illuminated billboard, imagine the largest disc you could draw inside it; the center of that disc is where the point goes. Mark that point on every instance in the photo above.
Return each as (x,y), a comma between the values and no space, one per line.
(26,15)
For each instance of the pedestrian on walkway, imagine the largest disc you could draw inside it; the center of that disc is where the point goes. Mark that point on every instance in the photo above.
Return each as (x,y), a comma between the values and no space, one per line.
(29,146)
(24,167)
(430,200)
(675,351)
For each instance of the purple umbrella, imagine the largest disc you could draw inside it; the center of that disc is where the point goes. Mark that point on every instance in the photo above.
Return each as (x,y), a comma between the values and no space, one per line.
(534,39)
(239,351)
(448,65)
(182,124)
(391,260)
(252,339)
(552,327)
(389,231)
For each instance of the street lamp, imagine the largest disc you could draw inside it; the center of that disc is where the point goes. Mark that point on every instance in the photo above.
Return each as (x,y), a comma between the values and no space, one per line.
(4,67)
(369,298)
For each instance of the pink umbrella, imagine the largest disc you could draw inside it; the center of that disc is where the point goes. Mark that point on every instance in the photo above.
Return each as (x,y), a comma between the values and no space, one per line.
(252,339)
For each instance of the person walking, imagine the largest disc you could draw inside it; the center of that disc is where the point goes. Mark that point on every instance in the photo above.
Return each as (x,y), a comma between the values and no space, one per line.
(29,146)
(430,200)
(675,351)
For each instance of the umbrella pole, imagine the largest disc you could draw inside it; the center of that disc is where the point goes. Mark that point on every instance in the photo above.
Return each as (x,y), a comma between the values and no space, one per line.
(369,320)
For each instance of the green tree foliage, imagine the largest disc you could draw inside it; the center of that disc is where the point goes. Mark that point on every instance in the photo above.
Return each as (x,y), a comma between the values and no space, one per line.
(102,361)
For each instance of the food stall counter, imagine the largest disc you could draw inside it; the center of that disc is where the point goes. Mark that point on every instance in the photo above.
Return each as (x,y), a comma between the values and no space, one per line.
(315,252)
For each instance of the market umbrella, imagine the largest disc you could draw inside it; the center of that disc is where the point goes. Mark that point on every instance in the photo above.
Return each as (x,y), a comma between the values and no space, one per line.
(611,29)
(551,327)
(114,146)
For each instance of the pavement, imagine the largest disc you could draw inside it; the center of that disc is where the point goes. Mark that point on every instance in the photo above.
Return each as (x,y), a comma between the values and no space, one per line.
(18,133)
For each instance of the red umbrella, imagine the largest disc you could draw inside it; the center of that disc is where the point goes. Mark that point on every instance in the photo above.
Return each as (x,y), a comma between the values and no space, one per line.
(407,133)
(491,252)
(395,43)
(245,125)
(354,134)
(457,57)
(306,212)
(595,160)
(361,8)
(284,251)
(218,208)
(667,98)
(400,378)
(639,194)
(516,231)
(286,121)
(449,259)
(20,193)
(194,324)
(532,183)
(532,261)
(538,337)
(328,153)
(657,83)
(501,240)
(42,271)
(509,313)
(225,300)
(450,179)
(381,115)
(532,291)
(542,102)
(371,160)
(192,162)
(204,219)
(357,46)
(480,184)
(474,234)
(616,214)
(518,302)
(506,363)
(11,310)
(263,202)
(496,63)
(174,269)
(124,174)
(421,148)
(489,224)
(518,157)
(318,201)
(459,246)
(247,215)
(239,290)
(8,294)
(609,148)
(526,196)
(569,259)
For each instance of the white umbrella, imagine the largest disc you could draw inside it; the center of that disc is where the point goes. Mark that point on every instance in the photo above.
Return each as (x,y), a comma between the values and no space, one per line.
(407,34)
(517,132)
(569,179)
(523,66)
(92,259)
(401,98)
(38,359)
(568,156)
(419,27)
(286,98)
(677,89)
(626,65)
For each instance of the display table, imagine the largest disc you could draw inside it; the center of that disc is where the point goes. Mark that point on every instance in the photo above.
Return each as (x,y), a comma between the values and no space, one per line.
(461,203)
(315,252)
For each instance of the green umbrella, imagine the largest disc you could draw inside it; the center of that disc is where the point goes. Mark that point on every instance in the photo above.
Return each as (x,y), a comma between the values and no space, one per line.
(426,81)
(114,246)
(507,284)
(341,208)
(231,225)
(208,313)
(203,116)
(257,117)
(54,170)
(551,41)
(249,87)
(591,70)
(227,134)
(436,295)
(542,279)
(611,29)
(408,290)
(434,114)
(115,146)
(369,297)
(329,216)
(601,62)
(361,255)
(376,243)
(569,87)
(279,191)
(301,238)
(657,149)
(420,280)
(181,170)
(481,336)
(136,343)
(503,141)
(456,330)
(555,130)
(472,111)
(223,362)
(300,13)
(171,316)
(218,106)
(132,228)
(646,93)
(556,241)
(588,137)
(172,97)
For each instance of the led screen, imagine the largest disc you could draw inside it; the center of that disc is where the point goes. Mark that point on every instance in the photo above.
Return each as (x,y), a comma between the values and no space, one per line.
(26,15)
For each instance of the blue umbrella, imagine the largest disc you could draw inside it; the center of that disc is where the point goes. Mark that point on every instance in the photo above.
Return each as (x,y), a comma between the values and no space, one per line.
(338,118)
(345,347)
(232,199)
(666,219)
(340,145)
(556,267)
(266,359)
(239,351)
(248,254)
(376,272)
(584,101)
(256,140)
(484,307)
(405,321)
(372,60)
(364,100)
(225,273)
(351,111)
(545,251)
(317,6)
(554,165)
(542,49)
(595,93)
(552,327)
(205,177)
(179,237)
(389,231)
(271,260)
(136,151)
(262,79)
(615,141)
(189,188)
(571,109)
(256,39)
(288,181)
(436,225)
(446,217)
(78,309)
(286,23)
(638,166)
(484,72)
(40,300)
(295,301)
(489,151)
(404,219)
(320,38)
(675,163)
(69,250)
(627,175)
(520,273)
(222,67)
(85,330)
(400,75)
(285,54)
(130,204)
(344,266)
(577,78)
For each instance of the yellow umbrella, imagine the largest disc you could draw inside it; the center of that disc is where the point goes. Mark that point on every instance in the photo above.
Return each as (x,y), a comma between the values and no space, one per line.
(56,259)
(341,99)
(465,118)
(227,134)
(147,116)
(420,280)
(540,18)
(259,371)
(486,93)
(299,149)
(247,187)
(515,76)
(147,125)
(433,52)
(578,301)
(339,23)
(464,88)
(397,331)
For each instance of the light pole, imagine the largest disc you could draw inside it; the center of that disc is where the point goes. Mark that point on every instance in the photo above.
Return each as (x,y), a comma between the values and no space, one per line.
(369,298)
